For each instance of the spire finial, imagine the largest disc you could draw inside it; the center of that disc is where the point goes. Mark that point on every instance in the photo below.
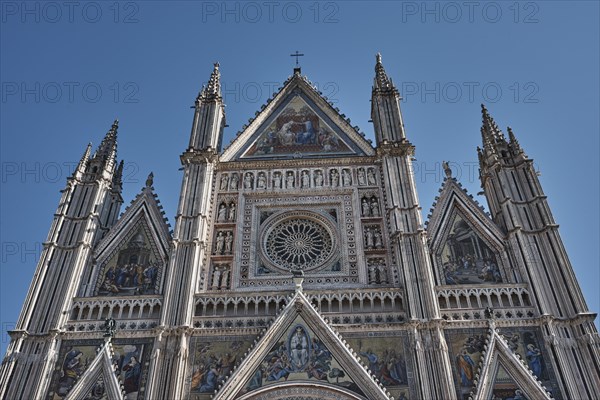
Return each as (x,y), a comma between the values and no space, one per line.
(447,169)
(107,150)
(212,90)
(382,81)
(297,69)
(513,141)
(489,129)
(81,166)
(150,180)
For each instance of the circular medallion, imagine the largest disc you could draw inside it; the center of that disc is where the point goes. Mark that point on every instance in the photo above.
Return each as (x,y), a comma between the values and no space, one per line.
(299,240)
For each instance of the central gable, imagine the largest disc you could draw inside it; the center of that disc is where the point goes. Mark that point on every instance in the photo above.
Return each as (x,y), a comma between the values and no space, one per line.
(297,123)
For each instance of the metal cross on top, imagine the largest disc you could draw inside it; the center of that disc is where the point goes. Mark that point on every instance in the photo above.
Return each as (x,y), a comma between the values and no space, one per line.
(297,55)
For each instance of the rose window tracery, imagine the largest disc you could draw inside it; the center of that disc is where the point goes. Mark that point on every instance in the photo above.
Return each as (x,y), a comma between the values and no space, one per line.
(300,241)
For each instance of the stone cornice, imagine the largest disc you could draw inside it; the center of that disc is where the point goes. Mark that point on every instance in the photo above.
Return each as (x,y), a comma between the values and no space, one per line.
(403,148)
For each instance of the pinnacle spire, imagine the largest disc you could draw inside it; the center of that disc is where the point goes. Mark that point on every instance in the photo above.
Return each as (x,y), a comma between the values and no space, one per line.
(106,153)
(212,90)
(118,177)
(381,81)
(81,166)
(490,133)
(514,143)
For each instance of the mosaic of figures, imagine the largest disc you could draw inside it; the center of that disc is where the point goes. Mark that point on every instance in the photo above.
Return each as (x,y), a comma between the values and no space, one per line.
(505,388)
(465,258)
(212,361)
(297,130)
(75,357)
(134,270)
(299,355)
(465,349)
(527,344)
(293,179)
(385,358)
(466,346)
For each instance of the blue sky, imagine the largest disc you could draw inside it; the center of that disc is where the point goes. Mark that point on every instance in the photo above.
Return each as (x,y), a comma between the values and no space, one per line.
(68,70)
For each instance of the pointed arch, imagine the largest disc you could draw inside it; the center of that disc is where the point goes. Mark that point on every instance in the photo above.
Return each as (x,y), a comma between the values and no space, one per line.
(466,246)
(132,257)
(100,376)
(298,121)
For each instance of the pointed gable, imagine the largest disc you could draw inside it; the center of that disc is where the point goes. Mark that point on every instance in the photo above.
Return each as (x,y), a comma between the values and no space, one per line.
(131,258)
(503,370)
(467,246)
(297,123)
(99,379)
(279,364)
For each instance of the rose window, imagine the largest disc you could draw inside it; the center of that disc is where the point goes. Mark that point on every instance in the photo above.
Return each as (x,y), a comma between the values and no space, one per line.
(301,241)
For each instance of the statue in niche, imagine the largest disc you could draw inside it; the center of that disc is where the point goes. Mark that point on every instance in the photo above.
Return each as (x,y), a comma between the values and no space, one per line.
(375,211)
(228,242)
(216,278)
(361,177)
(377,238)
(371,177)
(233,183)
(220,278)
(222,214)
(249,180)
(224,182)
(225,278)
(372,274)
(261,181)
(289,180)
(305,179)
(277,180)
(318,178)
(232,210)
(346,178)
(366,210)
(369,237)
(381,273)
(220,243)
(334,176)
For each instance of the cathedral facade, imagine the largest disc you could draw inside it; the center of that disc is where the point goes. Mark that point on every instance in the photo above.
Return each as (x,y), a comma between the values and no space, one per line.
(300,267)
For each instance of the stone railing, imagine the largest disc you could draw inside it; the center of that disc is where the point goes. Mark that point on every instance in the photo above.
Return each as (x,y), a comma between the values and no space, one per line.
(376,306)
(122,308)
(508,301)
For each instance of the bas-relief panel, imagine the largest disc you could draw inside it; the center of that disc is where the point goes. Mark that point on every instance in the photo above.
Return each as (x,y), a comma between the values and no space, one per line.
(212,360)
(297,130)
(133,270)
(465,258)
(299,355)
(130,361)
